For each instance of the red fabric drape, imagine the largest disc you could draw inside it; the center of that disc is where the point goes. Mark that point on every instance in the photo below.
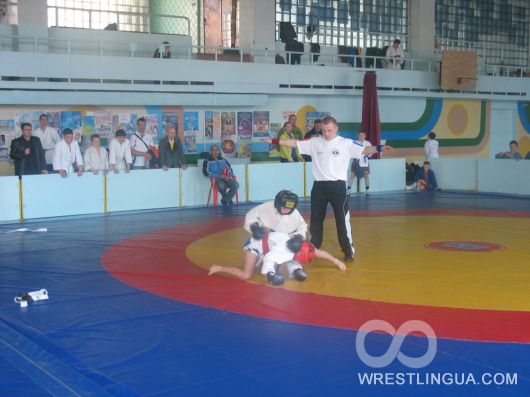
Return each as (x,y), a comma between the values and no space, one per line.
(370,123)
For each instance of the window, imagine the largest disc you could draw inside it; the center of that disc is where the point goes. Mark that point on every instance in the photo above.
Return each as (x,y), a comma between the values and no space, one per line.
(355,23)
(498,29)
(128,15)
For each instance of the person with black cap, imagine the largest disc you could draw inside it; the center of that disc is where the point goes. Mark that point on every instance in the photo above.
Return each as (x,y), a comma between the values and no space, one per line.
(278,215)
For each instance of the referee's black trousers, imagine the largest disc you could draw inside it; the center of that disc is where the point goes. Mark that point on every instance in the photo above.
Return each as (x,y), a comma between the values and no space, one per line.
(333,192)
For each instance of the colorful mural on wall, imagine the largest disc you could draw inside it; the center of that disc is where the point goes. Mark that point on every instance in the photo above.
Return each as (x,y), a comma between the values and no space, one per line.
(462,126)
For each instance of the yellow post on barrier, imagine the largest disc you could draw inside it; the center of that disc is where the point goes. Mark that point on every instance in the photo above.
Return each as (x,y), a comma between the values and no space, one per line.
(105,205)
(180,187)
(247,194)
(305,180)
(20,199)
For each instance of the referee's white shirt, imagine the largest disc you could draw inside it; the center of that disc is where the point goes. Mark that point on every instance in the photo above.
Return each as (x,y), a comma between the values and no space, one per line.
(330,159)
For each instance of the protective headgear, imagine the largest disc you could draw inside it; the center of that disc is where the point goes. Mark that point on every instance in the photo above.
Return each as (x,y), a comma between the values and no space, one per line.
(285,199)
(306,254)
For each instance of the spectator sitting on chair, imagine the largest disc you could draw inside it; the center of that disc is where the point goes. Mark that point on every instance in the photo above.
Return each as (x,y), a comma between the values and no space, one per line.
(166,54)
(217,167)
(512,154)
(287,154)
(171,152)
(425,178)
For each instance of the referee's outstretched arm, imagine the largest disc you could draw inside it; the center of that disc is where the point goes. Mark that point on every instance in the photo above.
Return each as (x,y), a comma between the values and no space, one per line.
(292,143)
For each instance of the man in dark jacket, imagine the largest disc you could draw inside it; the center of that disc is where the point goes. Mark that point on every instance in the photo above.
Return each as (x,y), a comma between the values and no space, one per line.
(171,152)
(28,153)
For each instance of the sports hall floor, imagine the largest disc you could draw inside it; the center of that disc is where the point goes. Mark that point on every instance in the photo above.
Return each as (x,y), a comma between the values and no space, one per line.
(132,311)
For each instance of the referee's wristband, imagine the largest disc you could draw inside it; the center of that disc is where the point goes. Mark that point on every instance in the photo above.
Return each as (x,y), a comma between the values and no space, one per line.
(379,148)
(275,141)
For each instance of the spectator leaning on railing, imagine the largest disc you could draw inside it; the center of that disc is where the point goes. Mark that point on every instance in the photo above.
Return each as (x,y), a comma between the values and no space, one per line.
(141,142)
(171,152)
(96,158)
(120,158)
(395,55)
(67,156)
(512,154)
(287,154)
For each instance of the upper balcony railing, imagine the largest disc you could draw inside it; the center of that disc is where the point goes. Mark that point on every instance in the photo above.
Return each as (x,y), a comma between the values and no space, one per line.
(327,57)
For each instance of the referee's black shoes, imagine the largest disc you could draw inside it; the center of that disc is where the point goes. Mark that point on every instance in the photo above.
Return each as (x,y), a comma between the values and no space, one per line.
(348,258)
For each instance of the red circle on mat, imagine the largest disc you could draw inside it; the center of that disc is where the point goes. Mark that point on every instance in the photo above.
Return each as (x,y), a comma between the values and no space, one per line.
(469,246)
(159,265)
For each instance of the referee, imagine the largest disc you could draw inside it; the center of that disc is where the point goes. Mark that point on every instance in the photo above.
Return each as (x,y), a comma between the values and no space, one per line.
(331,156)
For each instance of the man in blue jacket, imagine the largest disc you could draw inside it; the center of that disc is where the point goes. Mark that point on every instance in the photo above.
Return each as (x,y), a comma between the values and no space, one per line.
(217,167)
(425,178)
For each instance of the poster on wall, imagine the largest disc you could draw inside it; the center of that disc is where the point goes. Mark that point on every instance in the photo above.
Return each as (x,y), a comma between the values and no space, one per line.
(310,118)
(89,124)
(191,129)
(212,126)
(273,149)
(7,134)
(244,124)
(126,122)
(7,127)
(54,121)
(31,117)
(89,128)
(103,122)
(244,148)
(227,123)
(190,143)
(261,124)
(228,146)
(286,115)
(72,120)
(171,118)
(152,126)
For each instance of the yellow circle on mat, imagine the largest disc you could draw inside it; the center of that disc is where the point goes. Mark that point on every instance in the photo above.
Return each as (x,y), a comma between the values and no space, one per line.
(392,263)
